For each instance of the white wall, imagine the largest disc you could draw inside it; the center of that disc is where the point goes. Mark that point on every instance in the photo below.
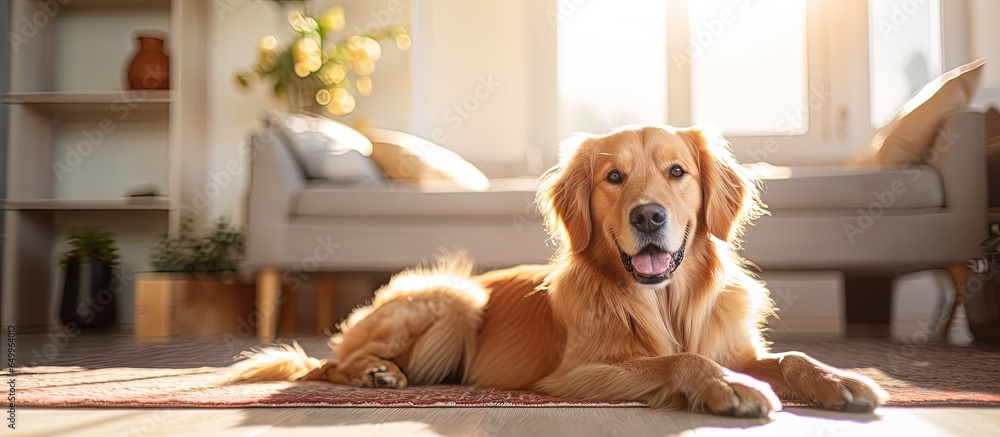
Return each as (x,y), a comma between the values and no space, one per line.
(984,33)
(235,26)
(482,80)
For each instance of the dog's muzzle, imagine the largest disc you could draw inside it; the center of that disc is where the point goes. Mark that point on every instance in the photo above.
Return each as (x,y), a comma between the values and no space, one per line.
(652,265)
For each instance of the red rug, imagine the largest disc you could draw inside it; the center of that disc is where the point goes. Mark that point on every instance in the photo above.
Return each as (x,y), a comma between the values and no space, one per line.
(187,375)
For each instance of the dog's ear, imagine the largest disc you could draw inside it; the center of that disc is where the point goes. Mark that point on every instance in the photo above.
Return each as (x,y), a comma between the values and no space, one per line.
(564,194)
(730,194)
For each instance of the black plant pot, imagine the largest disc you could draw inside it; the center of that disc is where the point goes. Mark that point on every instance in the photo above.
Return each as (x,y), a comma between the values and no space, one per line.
(982,306)
(88,298)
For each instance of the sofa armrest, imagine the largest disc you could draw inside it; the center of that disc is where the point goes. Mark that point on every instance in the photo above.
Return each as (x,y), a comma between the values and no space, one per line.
(276,180)
(959,154)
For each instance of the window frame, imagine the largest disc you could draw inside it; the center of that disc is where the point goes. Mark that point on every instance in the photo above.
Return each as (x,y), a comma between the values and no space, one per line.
(834,90)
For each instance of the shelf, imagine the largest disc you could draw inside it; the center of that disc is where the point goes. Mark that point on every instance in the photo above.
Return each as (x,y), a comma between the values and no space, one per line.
(117,3)
(160,203)
(151,100)
(993,215)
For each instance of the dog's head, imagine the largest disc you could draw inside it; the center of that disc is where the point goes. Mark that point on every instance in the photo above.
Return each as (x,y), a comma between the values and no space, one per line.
(642,195)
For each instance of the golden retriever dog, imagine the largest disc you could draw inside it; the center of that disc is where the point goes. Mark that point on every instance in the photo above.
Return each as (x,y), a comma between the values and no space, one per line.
(646,300)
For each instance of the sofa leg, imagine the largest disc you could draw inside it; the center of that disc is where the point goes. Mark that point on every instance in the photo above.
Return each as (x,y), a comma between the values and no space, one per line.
(959,274)
(268,297)
(325,288)
(868,306)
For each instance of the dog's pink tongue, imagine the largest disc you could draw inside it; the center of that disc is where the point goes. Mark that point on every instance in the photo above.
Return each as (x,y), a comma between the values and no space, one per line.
(651,263)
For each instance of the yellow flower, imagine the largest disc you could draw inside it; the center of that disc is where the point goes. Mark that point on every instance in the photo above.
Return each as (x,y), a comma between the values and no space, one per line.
(323,97)
(402,39)
(302,69)
(306,49)
(363,67)
(308,54)
(341,95)
(332,74)
(295,19)
(332,20)
(341,106)
(342,102)
(364,85)
(268,60)
(302,23)
(355,43)
(268,43)
(372,48)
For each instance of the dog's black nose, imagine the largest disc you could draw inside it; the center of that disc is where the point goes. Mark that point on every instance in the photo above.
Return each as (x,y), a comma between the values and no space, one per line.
(648,218)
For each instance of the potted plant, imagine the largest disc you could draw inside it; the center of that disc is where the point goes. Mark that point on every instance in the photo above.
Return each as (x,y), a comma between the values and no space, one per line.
(193,289)
(89,299)
(217,253)
(982,302)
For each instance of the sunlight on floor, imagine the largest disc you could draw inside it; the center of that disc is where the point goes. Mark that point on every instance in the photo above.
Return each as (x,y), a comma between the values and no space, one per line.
(500,422)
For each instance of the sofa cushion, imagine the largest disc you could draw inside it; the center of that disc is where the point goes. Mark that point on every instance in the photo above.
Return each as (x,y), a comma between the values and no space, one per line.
(410,159)
(326,149)
(826,188)
(905,139)
(509,199)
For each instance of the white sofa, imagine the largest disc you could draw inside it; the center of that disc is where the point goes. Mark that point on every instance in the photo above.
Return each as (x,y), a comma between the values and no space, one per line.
(875,225)
(296,224)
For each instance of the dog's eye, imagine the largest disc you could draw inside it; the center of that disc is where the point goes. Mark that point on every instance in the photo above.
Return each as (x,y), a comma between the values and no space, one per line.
(614,176)
(676,171)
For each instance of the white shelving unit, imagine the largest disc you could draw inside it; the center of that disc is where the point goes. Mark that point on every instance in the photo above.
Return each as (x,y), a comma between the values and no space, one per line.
(140,100)
(79,140)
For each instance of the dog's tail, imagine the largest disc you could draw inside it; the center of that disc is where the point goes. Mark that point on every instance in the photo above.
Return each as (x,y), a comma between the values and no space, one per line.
(284,362)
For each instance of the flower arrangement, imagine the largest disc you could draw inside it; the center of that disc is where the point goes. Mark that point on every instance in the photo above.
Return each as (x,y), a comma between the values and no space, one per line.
(323,66)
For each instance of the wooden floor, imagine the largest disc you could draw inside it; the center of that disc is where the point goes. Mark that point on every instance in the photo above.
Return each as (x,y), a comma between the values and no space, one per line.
(298,422)
(479,422)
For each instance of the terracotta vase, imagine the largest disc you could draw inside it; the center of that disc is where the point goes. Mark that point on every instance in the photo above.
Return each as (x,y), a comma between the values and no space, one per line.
(150,67)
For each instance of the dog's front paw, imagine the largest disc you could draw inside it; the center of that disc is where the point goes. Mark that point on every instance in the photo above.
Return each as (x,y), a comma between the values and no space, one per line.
(848,392)
(835,389)
(735,395)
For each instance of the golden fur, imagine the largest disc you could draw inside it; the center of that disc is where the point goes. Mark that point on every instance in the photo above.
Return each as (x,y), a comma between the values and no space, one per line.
(590,324)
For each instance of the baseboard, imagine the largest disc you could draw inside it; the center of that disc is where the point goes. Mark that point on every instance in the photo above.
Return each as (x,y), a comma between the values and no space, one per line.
(911,329)
(806,325)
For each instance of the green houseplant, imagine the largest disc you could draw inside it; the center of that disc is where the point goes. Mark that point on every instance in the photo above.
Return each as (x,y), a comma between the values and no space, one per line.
(982,303)
(219,252)
(193,288)
(89,298)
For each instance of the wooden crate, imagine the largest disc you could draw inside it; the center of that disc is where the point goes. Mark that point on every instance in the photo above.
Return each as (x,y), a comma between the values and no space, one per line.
(175,306)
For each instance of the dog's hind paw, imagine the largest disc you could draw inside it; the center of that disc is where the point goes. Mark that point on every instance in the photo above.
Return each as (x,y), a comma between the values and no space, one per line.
(374,372)
(385,376)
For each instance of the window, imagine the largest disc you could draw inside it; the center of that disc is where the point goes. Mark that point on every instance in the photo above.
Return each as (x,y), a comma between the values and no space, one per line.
(787,81)
(609,74)
(742,53)
(905,52)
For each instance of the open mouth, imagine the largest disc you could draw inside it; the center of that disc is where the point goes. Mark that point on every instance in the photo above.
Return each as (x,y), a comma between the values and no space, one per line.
(652,265)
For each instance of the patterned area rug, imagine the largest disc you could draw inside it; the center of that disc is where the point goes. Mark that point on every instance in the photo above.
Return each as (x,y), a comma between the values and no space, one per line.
(190,374)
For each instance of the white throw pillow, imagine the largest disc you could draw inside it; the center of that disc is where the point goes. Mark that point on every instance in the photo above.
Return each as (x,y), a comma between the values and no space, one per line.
(905,139)
(407,158)
(327,149)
